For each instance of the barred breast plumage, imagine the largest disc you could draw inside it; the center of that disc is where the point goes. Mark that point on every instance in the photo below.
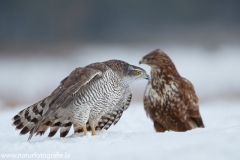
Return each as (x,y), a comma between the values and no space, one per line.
(97,98)
(91,97)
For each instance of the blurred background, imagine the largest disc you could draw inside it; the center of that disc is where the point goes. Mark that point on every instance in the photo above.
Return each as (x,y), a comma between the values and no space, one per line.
(41,42)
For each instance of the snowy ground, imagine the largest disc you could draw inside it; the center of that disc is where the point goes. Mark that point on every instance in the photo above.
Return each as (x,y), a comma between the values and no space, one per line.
(134,138)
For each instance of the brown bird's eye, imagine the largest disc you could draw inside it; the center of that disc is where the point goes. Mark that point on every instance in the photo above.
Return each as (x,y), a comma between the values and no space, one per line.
(149,59)
(138,72)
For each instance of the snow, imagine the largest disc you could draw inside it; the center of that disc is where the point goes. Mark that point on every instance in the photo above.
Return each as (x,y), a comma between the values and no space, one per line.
(134,137)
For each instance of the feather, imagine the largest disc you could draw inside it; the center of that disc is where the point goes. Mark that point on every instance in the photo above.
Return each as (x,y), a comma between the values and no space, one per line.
(169,99)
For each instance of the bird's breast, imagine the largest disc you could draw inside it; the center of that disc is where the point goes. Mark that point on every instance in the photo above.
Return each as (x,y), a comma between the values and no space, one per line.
(161,94)
(106,90)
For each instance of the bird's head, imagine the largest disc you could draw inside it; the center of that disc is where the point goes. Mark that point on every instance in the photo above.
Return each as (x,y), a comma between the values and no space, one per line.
(156,58)
(135,73)
(127,71)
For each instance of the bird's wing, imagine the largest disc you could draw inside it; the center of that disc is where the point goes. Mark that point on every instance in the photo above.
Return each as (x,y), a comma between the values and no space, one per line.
(192,102)
(115,114)
(68,86)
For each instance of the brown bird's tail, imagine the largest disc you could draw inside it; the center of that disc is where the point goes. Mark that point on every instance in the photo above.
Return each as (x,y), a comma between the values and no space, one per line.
(196,118)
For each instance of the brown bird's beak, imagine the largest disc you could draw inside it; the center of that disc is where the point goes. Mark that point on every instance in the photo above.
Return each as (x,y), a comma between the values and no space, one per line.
(141,62)
(147,77)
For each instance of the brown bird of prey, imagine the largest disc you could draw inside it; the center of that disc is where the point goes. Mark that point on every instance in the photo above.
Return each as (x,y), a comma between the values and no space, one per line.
(169,99)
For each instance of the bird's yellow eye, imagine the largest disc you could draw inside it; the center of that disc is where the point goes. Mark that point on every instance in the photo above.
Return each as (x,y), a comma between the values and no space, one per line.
(138,72)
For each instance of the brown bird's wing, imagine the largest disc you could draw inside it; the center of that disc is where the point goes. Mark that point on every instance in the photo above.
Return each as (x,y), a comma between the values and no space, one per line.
(115,114)
(192,103)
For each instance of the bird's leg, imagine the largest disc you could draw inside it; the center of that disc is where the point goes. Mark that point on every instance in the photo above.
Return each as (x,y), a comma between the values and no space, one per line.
(93,131)
(92,123)
(84,130)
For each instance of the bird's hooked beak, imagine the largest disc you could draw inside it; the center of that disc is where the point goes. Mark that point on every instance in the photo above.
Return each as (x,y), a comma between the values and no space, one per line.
(147,77)
(142,61)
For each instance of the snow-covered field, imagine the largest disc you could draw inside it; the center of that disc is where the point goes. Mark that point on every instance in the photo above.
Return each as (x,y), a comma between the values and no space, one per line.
(134,138)
(216,78)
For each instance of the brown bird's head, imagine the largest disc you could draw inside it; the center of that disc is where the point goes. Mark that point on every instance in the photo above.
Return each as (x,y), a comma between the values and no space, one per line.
(156,58)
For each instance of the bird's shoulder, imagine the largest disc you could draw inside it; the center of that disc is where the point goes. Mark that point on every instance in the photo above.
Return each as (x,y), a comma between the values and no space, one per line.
(185,83)
(188,94)
(187,87)
(85,73)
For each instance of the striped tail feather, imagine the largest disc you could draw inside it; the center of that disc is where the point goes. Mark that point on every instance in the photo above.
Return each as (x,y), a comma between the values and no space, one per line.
(114,116)
(30,120)
(106,120)
(53,131)
(54,126)
(26,119)
(111,118)
(128,101)
(65,129)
